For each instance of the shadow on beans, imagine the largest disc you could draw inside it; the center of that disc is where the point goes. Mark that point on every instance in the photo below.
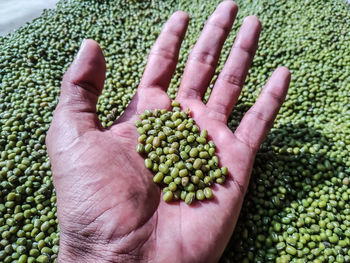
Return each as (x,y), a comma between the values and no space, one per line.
(290,174)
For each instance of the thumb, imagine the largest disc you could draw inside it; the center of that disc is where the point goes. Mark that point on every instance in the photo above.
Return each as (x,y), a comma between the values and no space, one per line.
(83,81)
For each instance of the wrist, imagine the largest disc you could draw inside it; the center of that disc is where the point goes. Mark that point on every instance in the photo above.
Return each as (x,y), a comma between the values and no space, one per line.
(73,250)
(81,250)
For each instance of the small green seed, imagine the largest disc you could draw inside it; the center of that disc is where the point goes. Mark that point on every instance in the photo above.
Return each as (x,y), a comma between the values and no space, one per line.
(204,133)
(158,178)
(189,198)
(167,179)
(175,103)
(156,142)
(140,148)
(224,170)
(148,163)
(220,180)
(177,180)
(168,196)
(200,195)
(148,148)
(197,164)
(191,138)
(211,152)
(204,155)
(211,144)
(172,186)
(217,173)
(200,174)
(201,140)
(190,187)
(174,172)
(291,250)
(141,131)
(183,195)
(183,155)
(208,193)
(183,172)
(194,152)
(163,168)
(185,181)
(142,138)
(22,259)
(194,179)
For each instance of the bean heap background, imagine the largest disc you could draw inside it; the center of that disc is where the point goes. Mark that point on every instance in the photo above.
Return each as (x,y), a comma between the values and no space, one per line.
(297,206)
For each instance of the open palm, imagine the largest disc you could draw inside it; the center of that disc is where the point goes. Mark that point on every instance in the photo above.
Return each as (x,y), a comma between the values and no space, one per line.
(109,209)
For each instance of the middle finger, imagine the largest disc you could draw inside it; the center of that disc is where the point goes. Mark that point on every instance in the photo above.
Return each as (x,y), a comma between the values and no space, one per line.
(234,72)
(203,59)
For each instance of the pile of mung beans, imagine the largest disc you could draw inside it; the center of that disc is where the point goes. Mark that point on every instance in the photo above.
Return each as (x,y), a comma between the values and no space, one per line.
(297,207)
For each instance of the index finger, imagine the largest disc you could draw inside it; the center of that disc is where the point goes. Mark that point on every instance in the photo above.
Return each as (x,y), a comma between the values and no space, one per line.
(160,66)
(164,54)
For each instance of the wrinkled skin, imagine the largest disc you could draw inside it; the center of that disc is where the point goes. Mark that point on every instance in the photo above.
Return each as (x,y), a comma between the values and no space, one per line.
(109,209)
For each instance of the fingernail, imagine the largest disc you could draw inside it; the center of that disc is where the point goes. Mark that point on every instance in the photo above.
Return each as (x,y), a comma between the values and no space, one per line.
(82,46)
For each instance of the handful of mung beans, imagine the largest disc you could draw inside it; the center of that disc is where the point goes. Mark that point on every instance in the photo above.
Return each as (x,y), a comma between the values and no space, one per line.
(184,162)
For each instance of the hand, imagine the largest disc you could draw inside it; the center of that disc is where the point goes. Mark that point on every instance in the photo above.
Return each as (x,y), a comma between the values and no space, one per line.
(109,209)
